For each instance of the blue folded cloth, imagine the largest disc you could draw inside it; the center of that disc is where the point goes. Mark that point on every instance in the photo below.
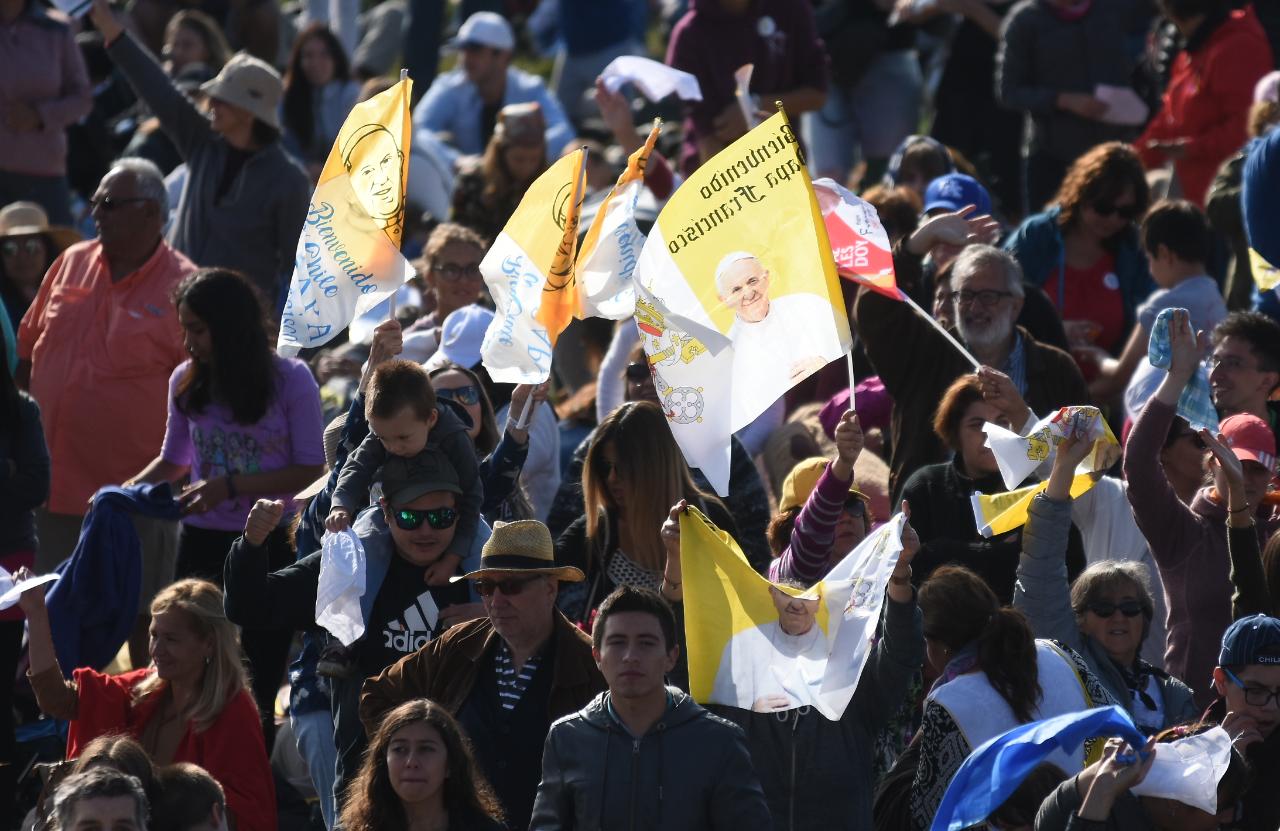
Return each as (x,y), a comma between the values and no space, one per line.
(1195,404)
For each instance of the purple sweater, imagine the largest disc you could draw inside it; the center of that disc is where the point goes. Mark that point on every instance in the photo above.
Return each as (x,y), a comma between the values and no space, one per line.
(805,558)
(1189,544)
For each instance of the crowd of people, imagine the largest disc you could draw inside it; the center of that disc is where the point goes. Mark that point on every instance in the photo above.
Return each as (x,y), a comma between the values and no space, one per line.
(1083,194)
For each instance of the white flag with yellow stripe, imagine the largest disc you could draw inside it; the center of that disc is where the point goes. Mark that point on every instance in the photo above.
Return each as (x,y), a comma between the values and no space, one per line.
(348,258)
(530,272)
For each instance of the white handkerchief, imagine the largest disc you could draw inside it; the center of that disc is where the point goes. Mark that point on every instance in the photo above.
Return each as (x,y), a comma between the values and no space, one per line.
(341,584)
(11,590)
(655,80)
(1189,770)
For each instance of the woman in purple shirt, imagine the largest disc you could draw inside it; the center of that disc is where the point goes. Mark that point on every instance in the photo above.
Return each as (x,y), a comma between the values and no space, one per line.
(244,424)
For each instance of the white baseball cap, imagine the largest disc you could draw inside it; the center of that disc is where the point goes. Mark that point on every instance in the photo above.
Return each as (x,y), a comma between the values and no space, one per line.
(461,336)
(485,29)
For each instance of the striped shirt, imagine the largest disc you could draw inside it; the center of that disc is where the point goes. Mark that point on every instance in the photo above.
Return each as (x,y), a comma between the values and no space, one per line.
(512,684)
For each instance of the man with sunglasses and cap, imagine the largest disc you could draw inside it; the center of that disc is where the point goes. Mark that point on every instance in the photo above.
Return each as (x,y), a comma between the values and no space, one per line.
(409,529)
(1247,682)
(507,676)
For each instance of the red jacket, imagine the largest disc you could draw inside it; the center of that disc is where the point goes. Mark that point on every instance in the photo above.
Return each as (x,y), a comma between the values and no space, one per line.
(231,749)
(1207,101)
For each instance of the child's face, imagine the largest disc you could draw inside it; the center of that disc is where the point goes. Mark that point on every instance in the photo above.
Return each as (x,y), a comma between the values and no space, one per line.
(403,434)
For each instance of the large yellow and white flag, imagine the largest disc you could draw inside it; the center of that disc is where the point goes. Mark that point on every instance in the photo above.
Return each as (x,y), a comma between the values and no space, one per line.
(348,258)
(737,294)
(611,248)
(764,647)
(530,272)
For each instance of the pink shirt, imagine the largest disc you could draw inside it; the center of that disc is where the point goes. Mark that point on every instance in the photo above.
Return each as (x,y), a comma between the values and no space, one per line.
(101,354)
(40,65)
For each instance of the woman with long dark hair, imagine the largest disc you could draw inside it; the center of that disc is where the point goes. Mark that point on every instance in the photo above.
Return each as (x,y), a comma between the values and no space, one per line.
(24,486)
(486,195)
(1083,250)
(419,773)
(633,474)
(244,424)
(318,95)
(992,675)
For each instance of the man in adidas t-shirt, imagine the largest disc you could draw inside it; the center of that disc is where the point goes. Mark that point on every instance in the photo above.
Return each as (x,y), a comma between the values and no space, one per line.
(410,528)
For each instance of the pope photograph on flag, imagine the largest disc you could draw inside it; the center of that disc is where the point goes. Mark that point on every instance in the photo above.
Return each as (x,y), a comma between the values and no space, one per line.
(348,258)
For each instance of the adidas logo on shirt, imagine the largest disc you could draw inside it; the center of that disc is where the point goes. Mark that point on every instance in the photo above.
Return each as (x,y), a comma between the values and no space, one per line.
(413,630)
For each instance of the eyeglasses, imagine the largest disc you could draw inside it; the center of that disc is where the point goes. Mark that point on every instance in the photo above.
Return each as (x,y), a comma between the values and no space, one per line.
(1126,212)
(452,272)
(1231,363)
(855,507)
(986,298)
(468,396)
(509,587)
(1196,441)
(638,373)
(438,518)
(31,246)
(110,203)
(1254,696)
(1128,608)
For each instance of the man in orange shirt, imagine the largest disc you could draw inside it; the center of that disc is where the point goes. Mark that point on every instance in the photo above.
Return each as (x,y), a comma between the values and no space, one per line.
(96,350)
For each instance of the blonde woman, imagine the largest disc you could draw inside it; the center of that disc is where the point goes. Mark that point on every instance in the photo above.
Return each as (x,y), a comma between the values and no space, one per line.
(633,474)
(192,704)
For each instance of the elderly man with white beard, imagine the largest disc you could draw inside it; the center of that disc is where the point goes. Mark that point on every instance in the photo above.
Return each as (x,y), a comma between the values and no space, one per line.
(1021,376)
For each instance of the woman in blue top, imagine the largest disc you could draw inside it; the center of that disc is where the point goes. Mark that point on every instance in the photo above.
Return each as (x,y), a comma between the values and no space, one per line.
(1083,251)
(318,96)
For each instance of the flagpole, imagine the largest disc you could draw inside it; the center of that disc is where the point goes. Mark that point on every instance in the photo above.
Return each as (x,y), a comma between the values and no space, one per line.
(848,360)
(950,338)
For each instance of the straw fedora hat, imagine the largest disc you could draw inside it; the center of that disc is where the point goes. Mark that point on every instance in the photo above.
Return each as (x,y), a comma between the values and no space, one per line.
(251,84)
(24,219)
(521,547)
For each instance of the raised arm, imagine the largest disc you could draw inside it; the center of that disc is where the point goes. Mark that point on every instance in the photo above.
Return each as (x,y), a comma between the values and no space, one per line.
(1042,590)
(55,696)
(179,117)
(1251,595)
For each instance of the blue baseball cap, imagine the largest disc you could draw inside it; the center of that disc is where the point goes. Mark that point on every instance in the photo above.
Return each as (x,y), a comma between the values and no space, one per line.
(1251,641)
(952,191)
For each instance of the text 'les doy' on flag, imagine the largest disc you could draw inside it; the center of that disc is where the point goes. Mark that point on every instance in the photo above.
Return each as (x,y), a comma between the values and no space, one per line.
(740,654)
(530,272)
(611,248)
(859,242)
(348,258)
(737,294)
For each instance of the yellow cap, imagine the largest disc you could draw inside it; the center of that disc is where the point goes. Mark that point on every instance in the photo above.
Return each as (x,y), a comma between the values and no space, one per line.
(801,481)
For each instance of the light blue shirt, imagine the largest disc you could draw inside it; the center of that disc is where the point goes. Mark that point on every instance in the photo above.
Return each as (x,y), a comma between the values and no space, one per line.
(453,105)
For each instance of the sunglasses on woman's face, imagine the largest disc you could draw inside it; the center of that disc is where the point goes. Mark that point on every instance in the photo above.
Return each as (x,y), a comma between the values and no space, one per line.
(467,396)
(1126,212)
(438,518)
(638,373)
(31,247)
(1128,608)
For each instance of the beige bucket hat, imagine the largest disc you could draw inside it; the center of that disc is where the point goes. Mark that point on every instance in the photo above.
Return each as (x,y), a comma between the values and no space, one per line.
(24,219)
(248,82)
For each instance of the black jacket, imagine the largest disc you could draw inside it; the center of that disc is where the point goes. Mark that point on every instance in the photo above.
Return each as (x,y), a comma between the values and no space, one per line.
(690,772)
(818,774)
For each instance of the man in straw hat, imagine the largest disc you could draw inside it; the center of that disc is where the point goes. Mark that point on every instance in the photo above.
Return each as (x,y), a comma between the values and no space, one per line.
(245,198)
(505,677)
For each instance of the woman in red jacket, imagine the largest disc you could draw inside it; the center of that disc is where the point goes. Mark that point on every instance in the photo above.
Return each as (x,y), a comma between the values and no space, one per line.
(1202,117)
(193,704)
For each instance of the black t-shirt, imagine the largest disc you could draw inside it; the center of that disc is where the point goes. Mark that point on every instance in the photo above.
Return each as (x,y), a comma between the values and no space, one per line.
(405,615)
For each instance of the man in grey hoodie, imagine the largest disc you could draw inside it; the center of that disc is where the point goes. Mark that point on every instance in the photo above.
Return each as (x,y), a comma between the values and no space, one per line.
(644,755)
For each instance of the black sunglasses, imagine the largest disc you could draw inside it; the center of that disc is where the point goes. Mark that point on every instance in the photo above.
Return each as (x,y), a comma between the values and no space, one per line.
(110,203)
(438,518)
(638,372)
(855,507)
(1129,212)
(509,587)
(468,395)
(1128,608)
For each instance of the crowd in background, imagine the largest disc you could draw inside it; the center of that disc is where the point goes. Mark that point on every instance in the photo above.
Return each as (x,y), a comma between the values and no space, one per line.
(1076,189)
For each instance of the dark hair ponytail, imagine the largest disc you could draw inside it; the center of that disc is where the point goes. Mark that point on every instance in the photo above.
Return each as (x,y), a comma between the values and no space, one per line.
(1007,654)
(960,609)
